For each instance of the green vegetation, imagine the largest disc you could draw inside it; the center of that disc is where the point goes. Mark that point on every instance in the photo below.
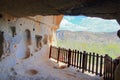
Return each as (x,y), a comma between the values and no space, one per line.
(112,49)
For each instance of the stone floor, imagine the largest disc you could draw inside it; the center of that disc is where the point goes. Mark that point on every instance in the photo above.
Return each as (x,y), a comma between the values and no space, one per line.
(36,68)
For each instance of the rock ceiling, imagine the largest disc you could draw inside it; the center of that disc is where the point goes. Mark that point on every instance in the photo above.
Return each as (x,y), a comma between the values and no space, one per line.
(108,9)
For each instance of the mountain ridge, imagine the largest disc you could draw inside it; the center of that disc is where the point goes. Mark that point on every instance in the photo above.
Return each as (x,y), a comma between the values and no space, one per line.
(85,36)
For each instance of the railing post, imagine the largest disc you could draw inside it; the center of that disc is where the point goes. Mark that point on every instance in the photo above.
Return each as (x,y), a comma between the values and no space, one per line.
(75,59)
(72,60)
(69,57)
(83,62)
(86,61)
(97,61)
(111,73)
(101,64)
(93,63)
(78,59)
(80,67)
(50,51)
(58,55)
(89,70)
(105,67)
(106,64)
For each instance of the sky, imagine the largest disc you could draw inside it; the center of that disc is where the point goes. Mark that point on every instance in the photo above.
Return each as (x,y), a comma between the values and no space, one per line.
(92,24)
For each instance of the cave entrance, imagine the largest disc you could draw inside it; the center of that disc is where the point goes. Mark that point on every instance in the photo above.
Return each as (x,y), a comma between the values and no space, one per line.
(89,33)
(38,41)
(1,43)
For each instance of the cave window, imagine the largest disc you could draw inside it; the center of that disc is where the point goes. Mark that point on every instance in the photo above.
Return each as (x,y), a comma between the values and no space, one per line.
(38,41)
(28,36)
(20,24)
(8,20)
(33,29)
(1,15)
(13,29)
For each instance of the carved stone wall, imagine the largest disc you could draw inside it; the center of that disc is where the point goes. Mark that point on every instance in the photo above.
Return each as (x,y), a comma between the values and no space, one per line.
(19,35)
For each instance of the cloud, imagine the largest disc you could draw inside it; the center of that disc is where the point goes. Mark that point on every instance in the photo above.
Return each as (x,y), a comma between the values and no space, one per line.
(100,25)
(67,25)
(89,24)
(69,17)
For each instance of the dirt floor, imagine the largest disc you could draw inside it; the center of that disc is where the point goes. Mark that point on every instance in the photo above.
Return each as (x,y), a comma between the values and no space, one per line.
(36,68)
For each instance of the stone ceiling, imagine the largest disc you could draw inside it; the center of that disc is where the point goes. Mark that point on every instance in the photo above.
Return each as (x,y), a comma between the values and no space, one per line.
(108,9)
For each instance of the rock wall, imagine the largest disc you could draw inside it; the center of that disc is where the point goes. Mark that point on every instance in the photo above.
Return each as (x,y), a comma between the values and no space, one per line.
(26,36)
(109,9)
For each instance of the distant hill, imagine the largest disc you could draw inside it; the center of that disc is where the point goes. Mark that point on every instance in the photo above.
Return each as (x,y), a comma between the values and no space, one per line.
(83,36)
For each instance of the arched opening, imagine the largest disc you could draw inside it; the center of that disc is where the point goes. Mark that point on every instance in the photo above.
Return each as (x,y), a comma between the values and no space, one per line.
(28,37)
(27,40)
(89,33)
(13,29)
(38,42)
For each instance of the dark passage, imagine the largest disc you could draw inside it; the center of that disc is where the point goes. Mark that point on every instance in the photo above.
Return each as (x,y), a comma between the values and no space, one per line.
(1,43)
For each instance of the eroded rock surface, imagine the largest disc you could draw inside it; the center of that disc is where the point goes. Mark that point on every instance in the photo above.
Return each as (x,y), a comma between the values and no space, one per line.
(109,9)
